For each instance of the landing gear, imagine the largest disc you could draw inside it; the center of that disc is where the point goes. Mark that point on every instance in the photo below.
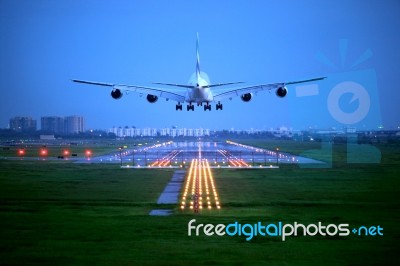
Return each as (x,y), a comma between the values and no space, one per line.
(207,107)
(178,107)
(190,107)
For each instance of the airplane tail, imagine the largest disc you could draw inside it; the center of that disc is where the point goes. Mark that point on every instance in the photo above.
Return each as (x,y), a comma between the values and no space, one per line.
(198,58)
(198,76)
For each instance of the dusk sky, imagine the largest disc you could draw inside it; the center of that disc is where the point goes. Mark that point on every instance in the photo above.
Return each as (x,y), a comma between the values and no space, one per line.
(45,44)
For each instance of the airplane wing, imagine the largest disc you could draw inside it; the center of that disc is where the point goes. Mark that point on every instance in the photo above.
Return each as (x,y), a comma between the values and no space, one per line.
(174,85)
(223,84)
(258,88)
(169,95)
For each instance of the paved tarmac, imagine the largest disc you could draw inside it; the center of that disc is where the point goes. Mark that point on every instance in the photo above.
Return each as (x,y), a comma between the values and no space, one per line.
(180,154)
(170,195)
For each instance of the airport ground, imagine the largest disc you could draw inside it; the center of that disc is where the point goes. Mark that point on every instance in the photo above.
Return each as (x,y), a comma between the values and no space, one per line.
(60,212)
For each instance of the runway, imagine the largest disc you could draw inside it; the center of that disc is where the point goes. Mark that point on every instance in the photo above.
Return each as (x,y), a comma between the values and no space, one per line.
(180,154)
(193,179)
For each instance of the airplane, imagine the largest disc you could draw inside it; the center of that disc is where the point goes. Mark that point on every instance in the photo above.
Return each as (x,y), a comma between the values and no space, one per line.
(198,90)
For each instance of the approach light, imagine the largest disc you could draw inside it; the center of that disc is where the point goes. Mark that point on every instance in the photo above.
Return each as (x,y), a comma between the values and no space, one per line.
(44,152)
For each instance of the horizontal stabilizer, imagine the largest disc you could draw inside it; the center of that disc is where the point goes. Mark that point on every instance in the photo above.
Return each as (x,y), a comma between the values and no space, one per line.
(223,84)
(174,85)
(191,86)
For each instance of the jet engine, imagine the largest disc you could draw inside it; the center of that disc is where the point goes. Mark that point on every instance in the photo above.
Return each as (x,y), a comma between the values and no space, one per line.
(246,97)
(116,94)
(151,98)
(281,92)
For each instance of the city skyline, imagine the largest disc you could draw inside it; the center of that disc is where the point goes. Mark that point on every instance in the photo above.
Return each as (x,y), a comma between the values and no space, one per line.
(73,124)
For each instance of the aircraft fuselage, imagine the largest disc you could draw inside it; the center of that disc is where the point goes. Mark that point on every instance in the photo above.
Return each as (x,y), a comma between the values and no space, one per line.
(200,93)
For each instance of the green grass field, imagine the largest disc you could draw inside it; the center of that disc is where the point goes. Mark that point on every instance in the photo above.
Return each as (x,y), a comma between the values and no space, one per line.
(54,151)
(64,213)
(56,148)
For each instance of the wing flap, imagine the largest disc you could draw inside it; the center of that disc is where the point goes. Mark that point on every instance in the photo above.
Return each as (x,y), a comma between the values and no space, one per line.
(241,91)
(258,88)
(153,91)
(138,89)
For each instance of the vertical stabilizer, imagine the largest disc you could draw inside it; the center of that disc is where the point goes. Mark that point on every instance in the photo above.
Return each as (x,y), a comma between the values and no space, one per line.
(197,58)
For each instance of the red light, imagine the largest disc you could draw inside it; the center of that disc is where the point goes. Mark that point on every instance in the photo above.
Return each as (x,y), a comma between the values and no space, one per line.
(66,152)
(21,152)
(43,152)
(88,152)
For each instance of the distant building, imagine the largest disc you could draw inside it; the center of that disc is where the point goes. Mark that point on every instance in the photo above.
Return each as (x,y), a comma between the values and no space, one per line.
(351,130)
(62,125)
(47,137)
(283,132)
(53,124)
(23,124)
(74,124)
(165,132)
(153,132)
